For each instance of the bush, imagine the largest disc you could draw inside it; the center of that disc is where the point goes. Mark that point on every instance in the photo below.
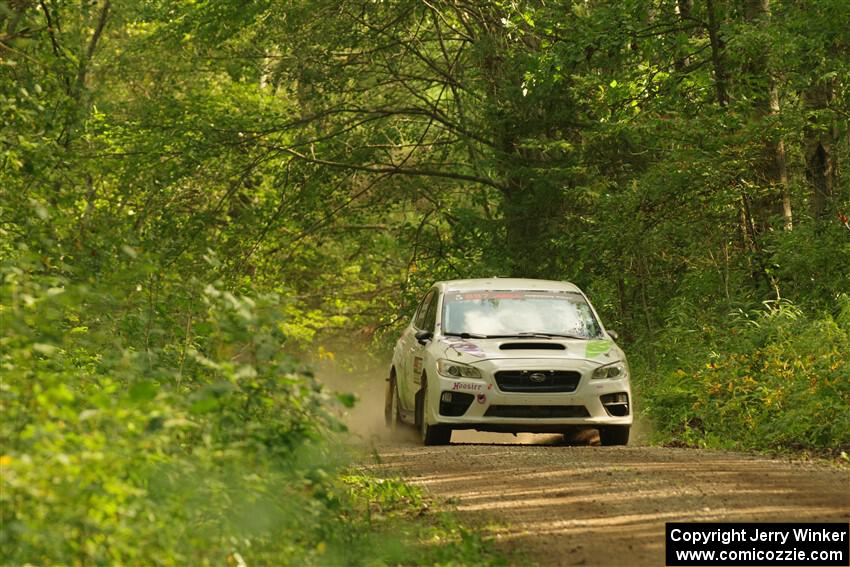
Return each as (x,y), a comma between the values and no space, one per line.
(204,448)
(771,378)
(136,440)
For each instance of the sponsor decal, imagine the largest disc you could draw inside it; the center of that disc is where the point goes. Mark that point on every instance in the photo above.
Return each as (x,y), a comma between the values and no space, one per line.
(471,349)
(539,294)
(417,365)
(481,398)
(477,296)
(467,386)
(597,347)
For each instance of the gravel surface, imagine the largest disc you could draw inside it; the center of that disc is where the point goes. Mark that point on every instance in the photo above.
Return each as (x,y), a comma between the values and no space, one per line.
(590,505)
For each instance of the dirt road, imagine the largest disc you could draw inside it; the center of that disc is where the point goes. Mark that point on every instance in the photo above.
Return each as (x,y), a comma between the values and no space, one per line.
(590,505)
(560,505)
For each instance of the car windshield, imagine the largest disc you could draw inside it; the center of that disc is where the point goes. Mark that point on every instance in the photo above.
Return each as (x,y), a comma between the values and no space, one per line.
(518,313)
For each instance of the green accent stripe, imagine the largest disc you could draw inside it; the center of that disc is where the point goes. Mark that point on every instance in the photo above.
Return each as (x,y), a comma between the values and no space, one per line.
(595,348)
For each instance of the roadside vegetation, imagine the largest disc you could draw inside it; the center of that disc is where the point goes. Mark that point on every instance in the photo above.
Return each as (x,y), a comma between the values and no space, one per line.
(772,379)
(194,196)
(215,449)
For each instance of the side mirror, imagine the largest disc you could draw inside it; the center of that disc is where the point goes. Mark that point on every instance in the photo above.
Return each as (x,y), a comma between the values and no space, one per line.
(422,337)
(613,335)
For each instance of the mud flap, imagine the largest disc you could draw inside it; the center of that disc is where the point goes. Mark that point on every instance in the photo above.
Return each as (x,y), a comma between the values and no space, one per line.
(388,402)
(419,400)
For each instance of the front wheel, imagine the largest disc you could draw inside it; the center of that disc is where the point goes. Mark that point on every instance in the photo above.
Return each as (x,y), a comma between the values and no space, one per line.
(431,434)
(614,435)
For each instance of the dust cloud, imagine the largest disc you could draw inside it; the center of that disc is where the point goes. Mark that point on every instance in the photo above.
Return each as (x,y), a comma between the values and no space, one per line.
(364,375)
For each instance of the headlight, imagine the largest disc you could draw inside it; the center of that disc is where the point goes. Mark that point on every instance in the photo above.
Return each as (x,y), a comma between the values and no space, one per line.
(457,369)
(615,370)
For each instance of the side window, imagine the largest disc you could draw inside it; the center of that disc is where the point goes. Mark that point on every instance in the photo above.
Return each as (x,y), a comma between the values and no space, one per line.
(419,319)
(431,313)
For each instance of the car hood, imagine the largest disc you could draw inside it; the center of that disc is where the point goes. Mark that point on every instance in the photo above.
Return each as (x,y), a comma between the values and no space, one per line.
(471,351)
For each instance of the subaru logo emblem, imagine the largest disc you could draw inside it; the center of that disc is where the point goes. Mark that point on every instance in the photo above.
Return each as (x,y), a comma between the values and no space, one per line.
(537,377)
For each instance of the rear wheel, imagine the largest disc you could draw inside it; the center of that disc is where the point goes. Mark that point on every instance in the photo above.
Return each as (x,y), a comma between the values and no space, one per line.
(614,435)
(431,434)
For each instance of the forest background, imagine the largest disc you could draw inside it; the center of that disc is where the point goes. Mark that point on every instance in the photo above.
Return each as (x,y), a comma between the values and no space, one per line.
(199,197)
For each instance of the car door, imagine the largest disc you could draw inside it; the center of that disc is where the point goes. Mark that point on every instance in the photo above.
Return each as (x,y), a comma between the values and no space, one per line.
(425,320)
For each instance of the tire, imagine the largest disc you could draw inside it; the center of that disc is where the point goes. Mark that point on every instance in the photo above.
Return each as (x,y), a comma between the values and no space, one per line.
(614,435)
(430,434)
(392,418)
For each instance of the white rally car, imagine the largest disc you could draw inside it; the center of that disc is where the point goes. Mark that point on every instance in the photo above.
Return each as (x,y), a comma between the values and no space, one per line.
(510,355)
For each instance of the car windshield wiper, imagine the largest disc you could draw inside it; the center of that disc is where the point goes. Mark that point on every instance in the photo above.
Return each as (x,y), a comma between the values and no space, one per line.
(550,335)
(467,335)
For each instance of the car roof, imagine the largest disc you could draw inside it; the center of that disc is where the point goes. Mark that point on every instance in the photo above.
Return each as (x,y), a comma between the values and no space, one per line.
(504,284)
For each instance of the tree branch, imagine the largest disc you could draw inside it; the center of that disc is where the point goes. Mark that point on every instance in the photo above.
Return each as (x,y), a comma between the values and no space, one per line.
(394,170)
(86,59)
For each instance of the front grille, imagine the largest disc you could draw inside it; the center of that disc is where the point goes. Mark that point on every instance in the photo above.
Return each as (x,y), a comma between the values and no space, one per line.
(537,381)
(536,411)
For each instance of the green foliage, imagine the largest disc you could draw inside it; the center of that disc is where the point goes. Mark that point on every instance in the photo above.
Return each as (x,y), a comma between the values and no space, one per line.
(208,448)
(811,263)
(114,454)
(400,511)
(190,190)
(771,378)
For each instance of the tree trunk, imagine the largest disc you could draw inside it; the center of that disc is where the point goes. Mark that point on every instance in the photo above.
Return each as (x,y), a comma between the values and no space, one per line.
(778,174)
(819,139)
(717,55)
(771,166)
(532,207)
(684,8)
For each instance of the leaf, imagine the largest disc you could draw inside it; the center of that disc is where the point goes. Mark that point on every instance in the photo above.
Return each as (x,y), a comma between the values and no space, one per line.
(143,391)
(347,399)
(44,349)
(204,405)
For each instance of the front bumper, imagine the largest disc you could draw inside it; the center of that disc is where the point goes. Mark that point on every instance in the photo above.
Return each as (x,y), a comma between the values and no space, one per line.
(492,409)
